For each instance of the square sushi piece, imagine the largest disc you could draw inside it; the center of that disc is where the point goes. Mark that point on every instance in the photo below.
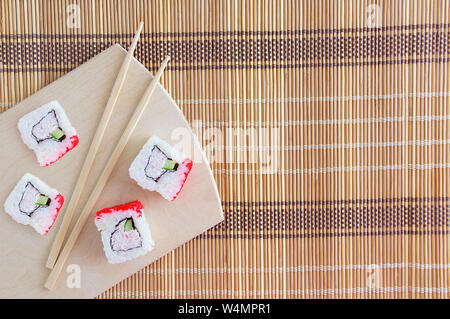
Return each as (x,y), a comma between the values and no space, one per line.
(158,167)
(125,232)
(48,132)
(34,203)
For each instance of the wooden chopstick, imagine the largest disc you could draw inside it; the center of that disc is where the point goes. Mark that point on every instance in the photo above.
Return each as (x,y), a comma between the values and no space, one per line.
(98,136)
(143,103)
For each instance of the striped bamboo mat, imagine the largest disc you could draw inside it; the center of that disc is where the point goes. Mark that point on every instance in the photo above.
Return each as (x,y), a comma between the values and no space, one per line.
(325,123)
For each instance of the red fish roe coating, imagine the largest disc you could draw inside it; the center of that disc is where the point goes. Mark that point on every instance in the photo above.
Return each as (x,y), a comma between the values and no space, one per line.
(60,200)
(188,163)
(74,139)
(136,206)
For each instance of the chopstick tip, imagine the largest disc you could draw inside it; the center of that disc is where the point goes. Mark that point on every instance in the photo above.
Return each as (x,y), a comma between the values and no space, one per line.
(135,39)
(139,29)
(49,285)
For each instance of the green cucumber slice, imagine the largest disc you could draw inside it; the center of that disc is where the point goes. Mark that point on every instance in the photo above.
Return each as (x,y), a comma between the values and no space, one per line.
(43,200)
(170,165)
(58,134)
(128,225)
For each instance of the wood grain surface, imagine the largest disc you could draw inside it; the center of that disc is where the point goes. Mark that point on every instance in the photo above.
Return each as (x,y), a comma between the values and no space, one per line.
(83,93)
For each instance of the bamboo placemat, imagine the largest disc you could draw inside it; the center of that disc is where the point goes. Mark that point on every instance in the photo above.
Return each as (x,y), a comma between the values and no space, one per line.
(325,123)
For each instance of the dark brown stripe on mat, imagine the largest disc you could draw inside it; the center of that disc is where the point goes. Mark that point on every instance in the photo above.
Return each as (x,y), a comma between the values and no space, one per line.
(436,26)
(295,53)
(336,218)
(339,201)
(211,235)
(244,67)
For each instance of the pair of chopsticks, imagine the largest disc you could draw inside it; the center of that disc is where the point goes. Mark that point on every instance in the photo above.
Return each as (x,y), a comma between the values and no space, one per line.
(56,260)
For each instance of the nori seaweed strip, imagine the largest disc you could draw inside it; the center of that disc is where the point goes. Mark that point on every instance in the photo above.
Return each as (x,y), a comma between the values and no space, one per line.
(21,199)
(49,137)
(165,171)
(134,228)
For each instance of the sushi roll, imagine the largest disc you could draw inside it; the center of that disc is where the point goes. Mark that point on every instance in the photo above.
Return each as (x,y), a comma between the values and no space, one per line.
(48,132)
(158,167)
(34,203)
(125,232)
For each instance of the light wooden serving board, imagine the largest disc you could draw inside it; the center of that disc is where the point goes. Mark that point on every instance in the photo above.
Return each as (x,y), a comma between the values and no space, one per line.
(83,94)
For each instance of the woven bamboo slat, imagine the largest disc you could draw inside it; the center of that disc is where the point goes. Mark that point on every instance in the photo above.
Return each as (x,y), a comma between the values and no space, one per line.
(325,123)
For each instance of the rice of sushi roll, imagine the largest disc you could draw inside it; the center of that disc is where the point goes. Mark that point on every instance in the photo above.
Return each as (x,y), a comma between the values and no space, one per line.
(48,132)
(158,167)
(125,232)
(34,203)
